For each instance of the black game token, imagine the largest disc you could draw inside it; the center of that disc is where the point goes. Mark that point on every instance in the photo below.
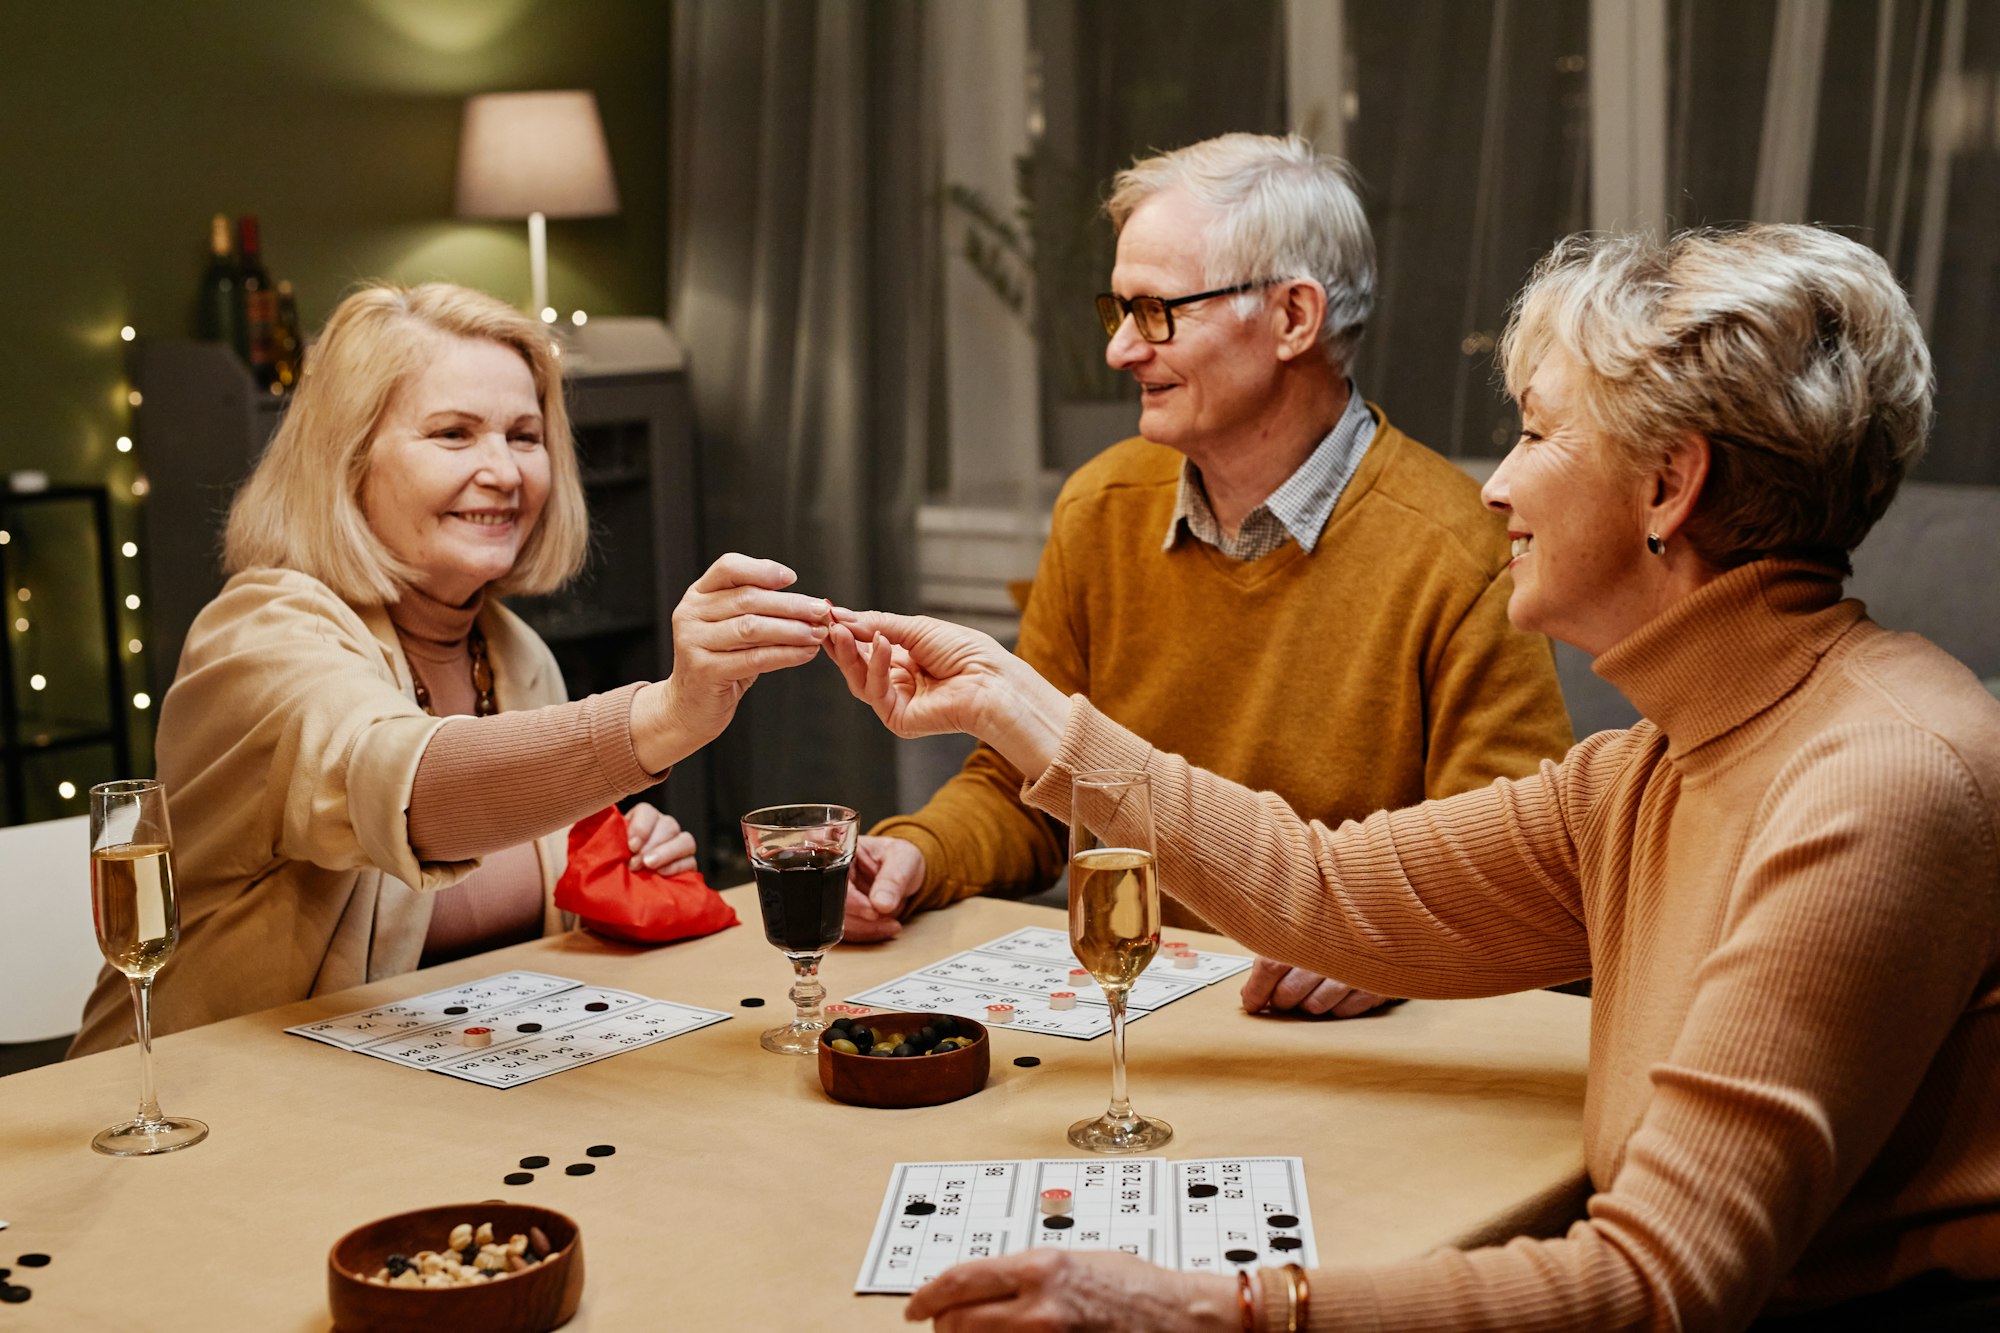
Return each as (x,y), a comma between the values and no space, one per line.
(534,1163)
(458,1009)
(597,1006)
(529,1027)
(1058,1223)
(1281,1220)
(1027,1061)
(920,1208)
(1287,1243)
(518,1178)
(1201,1191)
(14,1295)
(579,1168)
(752,1002)
(6,1273)
(33,1261)
(606,1150)
(1240,1256)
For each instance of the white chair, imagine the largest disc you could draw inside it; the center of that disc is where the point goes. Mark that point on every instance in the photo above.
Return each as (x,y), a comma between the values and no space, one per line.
(48,947)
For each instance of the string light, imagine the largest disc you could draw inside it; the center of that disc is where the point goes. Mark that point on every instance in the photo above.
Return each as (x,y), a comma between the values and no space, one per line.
(128,333)
(21,624)
(140,486)
(124,444)
(66,790)
(578,318)
(134,646)
(5,536)
(142,700)
(25,595)
(135,398)
(548,314)
(38,681)
(130,549)
(131,601)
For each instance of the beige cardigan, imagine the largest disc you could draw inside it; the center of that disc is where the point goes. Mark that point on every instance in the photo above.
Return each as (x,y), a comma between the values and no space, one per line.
(288,745)
(1786,884)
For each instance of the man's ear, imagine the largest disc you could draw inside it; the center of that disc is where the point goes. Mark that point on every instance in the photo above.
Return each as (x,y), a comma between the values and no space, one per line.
(1674,485)
(1296,315)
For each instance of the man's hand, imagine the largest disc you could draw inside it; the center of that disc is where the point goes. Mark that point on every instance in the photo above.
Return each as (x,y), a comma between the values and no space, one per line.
(1277,986)
(658,842)
(884,873)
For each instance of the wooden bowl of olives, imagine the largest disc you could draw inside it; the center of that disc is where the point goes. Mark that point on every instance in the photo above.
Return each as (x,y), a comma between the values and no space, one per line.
(902,1060)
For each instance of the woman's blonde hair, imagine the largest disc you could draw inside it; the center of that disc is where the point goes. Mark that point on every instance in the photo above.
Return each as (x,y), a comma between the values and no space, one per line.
(1791,348)
(301,507)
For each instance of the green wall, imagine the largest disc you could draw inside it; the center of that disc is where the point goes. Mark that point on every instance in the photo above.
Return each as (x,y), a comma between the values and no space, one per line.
(124,124)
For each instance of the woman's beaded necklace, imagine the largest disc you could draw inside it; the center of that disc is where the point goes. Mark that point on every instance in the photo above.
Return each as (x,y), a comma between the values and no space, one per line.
(484,704)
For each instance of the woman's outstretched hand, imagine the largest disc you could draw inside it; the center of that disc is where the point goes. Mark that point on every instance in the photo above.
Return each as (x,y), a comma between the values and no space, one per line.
(924,677)
(1078,1292)
(732,626)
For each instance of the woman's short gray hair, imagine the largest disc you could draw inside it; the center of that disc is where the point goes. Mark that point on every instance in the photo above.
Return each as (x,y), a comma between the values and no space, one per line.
(1284,211)
(1791,348)
(301,507)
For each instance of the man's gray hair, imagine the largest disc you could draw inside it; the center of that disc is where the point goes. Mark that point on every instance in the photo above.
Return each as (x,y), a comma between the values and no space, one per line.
(1283,212)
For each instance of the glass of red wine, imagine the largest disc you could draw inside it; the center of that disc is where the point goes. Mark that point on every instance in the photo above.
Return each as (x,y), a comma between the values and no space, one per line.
(800,854)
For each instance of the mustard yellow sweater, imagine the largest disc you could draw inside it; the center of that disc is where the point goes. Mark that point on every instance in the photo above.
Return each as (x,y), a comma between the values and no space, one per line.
(1786,883)
(1373,673)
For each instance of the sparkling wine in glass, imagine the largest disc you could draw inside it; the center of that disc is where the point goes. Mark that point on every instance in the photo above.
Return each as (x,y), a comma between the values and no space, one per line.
(138,925)
(1114,926)
(800,855)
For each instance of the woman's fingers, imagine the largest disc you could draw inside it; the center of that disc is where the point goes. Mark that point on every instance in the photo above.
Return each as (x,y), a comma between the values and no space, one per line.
(749,631)
(734,570)
(967,1284)
(760,601)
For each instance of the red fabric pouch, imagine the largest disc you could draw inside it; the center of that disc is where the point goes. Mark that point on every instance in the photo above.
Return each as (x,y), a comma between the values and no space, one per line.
(637,906)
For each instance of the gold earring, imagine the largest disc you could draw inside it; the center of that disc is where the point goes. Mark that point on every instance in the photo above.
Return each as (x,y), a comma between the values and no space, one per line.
(1656,543)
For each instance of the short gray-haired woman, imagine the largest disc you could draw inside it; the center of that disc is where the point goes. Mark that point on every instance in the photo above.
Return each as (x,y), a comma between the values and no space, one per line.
(1785,881)
(369,762)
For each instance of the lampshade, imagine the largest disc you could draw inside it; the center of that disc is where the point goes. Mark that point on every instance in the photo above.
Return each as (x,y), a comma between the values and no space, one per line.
(541,152)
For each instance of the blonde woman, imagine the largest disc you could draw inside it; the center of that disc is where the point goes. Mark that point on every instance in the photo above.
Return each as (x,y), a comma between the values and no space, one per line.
(369,760)
(1785,881)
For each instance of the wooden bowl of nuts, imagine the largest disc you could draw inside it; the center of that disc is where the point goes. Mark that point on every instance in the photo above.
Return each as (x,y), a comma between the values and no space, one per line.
(902,1060)
(491,1267)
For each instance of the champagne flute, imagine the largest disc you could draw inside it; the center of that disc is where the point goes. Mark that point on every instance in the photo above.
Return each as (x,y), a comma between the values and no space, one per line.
(1114,926)
(800,855)
(138,924)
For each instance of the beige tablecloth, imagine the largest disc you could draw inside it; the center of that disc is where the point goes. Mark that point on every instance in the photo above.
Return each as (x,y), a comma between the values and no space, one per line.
(740,1195)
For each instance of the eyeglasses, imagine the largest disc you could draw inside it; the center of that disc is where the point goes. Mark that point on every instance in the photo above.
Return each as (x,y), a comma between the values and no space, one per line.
(1153,316)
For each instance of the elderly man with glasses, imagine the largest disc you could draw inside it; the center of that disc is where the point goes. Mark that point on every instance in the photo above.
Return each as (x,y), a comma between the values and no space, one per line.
(1191,574)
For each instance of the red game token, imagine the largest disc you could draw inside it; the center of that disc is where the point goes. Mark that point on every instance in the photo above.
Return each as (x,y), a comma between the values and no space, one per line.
(477,1036)
(1062,999)
(1056,1203)
(999,1013)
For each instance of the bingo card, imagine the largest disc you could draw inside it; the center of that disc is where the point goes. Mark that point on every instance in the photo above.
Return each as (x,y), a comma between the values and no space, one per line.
(531,1025)
(1214,1215)
(1025,968)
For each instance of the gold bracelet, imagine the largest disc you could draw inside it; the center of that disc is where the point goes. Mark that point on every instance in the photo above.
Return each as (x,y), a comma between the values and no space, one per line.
(1301,1296)
(1291,1299)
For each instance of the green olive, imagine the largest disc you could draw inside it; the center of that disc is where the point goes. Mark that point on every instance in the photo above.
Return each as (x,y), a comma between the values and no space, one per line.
(843,1044)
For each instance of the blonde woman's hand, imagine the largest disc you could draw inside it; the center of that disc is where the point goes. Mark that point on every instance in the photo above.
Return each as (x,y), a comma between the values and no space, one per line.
(924,677)
(657,841)
(732,626)
(1076,1291)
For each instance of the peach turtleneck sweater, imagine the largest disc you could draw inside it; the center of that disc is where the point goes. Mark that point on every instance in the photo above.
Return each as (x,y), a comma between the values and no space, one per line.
(1785,883)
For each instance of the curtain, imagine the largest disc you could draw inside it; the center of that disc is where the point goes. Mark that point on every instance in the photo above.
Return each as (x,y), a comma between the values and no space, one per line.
(803,269)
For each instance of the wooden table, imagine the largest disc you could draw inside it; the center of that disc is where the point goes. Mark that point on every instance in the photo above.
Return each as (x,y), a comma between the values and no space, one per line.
(740,1195)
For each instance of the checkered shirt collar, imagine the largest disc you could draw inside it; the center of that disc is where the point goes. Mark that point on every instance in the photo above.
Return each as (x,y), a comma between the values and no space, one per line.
(1297,510)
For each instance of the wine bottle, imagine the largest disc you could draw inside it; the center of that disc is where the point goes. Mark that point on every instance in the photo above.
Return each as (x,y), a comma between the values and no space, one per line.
(219,317)
(289,344)
(259,301)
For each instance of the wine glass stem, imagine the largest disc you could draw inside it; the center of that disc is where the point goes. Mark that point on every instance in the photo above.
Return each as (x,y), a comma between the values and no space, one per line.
(1121,1107)
(807,992)
(142,996)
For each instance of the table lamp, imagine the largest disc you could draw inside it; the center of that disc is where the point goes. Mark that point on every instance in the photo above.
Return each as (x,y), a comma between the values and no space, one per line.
(534,155)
